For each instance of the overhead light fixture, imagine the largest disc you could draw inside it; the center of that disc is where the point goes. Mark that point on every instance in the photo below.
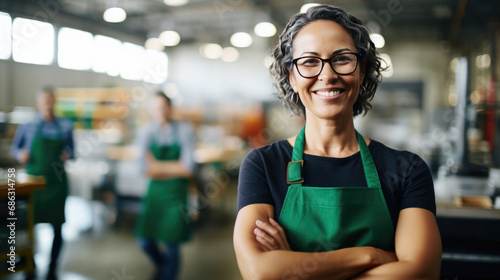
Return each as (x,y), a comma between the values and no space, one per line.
(241,39)
(114,15)
(175,2)
(453,64)
(230,54)
(154,44)
(268,61)
(306,7)
(483,61)
(170,38)
(265,29)
(211,51)
(378,40)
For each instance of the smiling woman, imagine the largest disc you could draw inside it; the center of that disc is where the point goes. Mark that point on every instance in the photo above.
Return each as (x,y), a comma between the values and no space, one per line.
(329,203)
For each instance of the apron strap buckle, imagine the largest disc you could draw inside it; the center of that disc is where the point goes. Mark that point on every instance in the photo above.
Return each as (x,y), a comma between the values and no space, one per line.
(294,172)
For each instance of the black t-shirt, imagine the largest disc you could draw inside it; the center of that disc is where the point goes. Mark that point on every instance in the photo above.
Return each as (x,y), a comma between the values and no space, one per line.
(405,178)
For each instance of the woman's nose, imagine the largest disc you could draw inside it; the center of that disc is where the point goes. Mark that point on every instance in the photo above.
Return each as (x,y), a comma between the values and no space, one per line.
(327,73)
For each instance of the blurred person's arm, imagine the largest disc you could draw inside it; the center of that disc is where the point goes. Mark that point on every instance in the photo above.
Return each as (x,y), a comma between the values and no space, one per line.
(69,146)
(257,262)
(18,148)
(162,170)
(418,248)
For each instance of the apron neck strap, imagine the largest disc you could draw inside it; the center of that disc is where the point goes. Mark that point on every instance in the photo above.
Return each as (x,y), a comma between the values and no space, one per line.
(294,168)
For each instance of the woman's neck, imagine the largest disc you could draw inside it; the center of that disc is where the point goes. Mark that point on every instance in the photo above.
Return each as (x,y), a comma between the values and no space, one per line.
(330,138)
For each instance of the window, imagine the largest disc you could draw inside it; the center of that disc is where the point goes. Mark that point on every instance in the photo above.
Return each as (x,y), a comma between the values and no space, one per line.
(74,49)
(33,41)
(133,57)
(5,35)
(156,67)
(107,55)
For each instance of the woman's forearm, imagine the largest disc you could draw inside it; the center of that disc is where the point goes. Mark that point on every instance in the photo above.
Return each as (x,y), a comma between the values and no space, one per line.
(289,265)
(255,262)
(400,270)
(418,247)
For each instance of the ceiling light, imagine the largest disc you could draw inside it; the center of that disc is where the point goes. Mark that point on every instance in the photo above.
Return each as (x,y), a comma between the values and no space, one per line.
(175,2)
(454,64)
(265,29)
(378,40)
(170,38)
(306,7)
(211,51)
(483,61)
(241,39)
(230,54)
(154,44)
(115,15)
(268,61)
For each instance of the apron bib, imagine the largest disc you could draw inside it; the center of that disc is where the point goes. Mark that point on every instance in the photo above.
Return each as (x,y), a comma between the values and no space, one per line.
(319,219)
(45,161)
(164,216)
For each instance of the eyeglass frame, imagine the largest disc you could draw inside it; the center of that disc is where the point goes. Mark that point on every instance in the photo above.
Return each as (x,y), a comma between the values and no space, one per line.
(323,61)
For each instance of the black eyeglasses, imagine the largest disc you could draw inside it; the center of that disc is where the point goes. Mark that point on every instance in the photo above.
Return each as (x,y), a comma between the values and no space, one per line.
(311,66)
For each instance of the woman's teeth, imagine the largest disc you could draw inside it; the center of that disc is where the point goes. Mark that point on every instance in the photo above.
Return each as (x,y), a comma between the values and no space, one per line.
(328,93)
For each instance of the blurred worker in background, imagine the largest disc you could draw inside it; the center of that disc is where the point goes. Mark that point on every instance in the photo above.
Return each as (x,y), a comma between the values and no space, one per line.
(167,149)
(44,145)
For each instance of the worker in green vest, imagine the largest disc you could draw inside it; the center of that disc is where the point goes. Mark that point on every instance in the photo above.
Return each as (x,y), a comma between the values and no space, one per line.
(44,145)
(167,148)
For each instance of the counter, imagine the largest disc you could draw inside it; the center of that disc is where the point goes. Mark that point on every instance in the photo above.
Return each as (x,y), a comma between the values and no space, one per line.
(471,241)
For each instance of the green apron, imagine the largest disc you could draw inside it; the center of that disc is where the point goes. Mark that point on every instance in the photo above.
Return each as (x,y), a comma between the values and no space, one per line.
(164,216)
(45,160)
(318,219)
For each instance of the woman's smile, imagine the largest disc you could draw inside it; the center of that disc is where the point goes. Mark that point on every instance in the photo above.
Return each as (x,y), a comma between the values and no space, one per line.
(329,94)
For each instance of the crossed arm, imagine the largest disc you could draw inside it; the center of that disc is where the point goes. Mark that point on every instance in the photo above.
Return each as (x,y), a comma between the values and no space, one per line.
(160,170)
(262,251)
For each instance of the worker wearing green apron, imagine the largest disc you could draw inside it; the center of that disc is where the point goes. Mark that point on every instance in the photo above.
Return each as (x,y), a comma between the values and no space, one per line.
(164,217)
(44,145)
(328,203)
(335,217)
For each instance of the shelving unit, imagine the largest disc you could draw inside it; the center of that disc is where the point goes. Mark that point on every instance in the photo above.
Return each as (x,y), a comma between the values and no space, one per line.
(95,108)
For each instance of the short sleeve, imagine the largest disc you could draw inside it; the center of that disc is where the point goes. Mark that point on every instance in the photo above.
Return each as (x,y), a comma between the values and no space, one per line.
(418,187)
(253,186)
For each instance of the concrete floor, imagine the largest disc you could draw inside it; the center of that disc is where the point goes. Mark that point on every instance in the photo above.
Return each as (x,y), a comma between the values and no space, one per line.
(93,250)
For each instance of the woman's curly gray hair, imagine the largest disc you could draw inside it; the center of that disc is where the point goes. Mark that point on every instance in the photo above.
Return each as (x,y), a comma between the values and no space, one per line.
(282,55)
